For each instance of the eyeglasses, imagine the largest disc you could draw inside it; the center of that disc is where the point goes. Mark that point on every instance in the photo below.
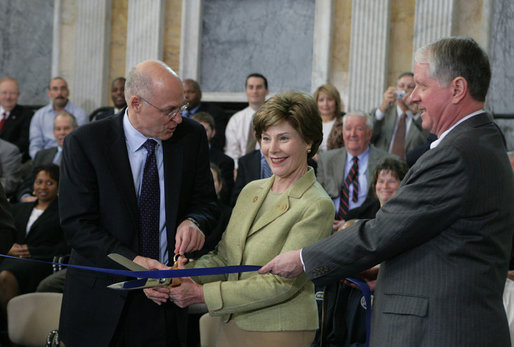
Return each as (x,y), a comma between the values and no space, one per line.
(168,114)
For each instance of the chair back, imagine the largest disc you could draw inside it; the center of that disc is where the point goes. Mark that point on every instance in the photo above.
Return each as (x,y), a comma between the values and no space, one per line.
(31,317)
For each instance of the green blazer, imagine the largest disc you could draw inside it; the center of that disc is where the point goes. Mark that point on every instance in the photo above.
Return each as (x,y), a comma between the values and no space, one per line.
(299,217)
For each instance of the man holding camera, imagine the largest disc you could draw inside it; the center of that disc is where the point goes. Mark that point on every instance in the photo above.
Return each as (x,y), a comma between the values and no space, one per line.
(397,125)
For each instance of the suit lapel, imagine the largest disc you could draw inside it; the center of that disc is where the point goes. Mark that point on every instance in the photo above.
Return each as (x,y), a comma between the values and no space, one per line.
(338,169)
(117,158)
(173,158)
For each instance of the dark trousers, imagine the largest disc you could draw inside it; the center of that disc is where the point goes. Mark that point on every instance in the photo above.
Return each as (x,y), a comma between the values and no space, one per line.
(144,323)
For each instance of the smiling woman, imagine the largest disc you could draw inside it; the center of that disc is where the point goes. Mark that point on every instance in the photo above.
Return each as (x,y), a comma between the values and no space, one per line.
(287,211)
(39,236)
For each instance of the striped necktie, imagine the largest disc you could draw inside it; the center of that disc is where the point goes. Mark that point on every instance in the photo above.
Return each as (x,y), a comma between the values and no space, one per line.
(351,178)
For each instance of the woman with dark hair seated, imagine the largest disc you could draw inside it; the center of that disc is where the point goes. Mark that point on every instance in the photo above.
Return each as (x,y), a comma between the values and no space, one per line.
(38,236)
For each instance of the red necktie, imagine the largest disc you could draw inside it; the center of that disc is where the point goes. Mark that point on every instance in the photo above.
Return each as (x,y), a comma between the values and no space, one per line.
(399,138)
(4,117)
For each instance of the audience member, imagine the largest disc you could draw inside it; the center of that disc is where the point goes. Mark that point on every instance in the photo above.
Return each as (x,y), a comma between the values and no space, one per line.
(118,100)
(38,236)
(10,167)
(444,241)
(397,125)
(222,161)
(330,107)
(15,121)
(239,128)
(346,172)
(344,319)
(146,153)
(271,216)
(225,211)
(7,229)
(193,95)
(64,123)
(41,126)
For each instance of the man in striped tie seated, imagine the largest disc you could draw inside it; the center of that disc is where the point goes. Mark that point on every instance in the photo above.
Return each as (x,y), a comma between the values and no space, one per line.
(346,172)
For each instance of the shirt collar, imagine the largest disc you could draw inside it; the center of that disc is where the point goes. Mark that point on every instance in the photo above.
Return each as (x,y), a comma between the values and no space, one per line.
(133,137)
(361,156)
(443,135)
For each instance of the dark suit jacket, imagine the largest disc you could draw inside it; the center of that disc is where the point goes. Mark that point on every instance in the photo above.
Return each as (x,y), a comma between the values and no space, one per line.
(101,113)
(44,156)
(99,215)
(16,129)
(383,131)
(226,165)
(248,169)
(7,229)
(45,238)
(220,119)
(444,242)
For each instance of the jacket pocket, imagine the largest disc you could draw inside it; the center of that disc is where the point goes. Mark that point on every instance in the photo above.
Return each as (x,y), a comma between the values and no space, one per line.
(405,305)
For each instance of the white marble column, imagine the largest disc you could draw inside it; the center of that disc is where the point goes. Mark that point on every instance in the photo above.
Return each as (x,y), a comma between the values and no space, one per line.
(91,63)
(145,31)
(433,20)
(56,38)
(191,39)
(368,53)
(322,43)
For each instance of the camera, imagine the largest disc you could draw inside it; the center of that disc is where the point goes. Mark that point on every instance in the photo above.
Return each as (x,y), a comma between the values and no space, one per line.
(399,94)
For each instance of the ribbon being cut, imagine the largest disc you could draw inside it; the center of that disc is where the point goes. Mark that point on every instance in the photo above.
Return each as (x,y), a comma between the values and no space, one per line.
(149,278)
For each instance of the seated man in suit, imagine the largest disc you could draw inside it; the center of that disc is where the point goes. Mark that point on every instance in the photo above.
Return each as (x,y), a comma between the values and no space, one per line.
(397,125)
(15,121)
(41,126)
(10,167)
(222,161)
(118,100)
(64,123)
(346,172)
(193,95)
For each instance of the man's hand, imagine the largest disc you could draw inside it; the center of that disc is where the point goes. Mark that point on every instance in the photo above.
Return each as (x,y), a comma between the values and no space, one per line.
(159,295)
(28,198)
(336,224)
(389,99)
(20,251)
(188,238)
(287,265)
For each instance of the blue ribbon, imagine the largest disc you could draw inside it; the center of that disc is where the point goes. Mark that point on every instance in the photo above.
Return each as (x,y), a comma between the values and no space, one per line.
(206,271)
(367,297)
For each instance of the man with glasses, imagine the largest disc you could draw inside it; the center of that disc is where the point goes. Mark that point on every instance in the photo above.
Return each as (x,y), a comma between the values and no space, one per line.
(397,124)
(137,184)
(42,124)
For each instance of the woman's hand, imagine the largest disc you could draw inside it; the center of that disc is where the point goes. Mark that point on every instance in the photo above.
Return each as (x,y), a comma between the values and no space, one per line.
(20,251)
(187,293)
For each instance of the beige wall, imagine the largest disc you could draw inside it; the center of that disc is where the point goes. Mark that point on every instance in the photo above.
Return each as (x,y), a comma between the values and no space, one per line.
(468,22)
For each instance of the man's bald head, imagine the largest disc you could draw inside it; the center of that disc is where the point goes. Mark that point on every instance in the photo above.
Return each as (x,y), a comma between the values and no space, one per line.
(154,92)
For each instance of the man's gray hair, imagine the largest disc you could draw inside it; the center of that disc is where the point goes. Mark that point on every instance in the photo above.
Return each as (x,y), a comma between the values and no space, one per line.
(63,113)
(452,57)
(369,121)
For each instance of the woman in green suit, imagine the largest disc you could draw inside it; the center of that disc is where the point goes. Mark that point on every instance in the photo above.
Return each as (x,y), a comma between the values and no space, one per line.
(287,211)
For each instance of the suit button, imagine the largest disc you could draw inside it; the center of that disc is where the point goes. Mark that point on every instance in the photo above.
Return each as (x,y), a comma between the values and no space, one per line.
(255,198)
(283,207)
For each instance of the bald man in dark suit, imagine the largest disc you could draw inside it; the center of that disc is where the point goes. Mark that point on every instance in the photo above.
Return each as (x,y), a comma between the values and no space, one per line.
(144,161)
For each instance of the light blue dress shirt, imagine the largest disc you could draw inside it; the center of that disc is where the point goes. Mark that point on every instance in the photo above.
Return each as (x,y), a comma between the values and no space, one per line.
(137,158)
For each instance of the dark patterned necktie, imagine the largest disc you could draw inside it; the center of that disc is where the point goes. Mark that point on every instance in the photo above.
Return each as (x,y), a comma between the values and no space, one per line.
(351,178)
(149,203)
